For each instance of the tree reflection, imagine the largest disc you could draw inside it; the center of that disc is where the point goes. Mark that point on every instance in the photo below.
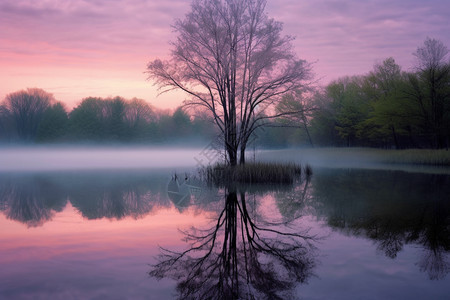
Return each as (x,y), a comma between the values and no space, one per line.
(33,199)
(292,202)
(391,209)
(114,200)
(238,257)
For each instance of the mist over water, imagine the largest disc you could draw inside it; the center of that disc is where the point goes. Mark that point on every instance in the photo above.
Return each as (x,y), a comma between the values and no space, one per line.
(88,158)
(101,213)
(184,156)
(345,158)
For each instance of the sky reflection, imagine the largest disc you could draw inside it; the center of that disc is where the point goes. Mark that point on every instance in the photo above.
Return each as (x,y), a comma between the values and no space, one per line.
(105,229)
(70,257)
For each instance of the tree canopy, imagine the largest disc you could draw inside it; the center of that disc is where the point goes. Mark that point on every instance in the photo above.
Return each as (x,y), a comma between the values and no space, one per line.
(233,62)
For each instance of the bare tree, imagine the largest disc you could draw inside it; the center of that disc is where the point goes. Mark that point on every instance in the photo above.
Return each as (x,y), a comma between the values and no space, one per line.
(137,112)
(27,108)
(431,55)
(232,60)
(295,111)
(430,88)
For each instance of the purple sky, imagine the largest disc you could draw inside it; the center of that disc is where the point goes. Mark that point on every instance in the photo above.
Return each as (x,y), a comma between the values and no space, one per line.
(80,48)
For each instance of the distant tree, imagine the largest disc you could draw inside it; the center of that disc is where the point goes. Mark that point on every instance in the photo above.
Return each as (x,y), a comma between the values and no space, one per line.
(85,120)
(138,117)
(391,112)
(100,119)
(231,58)
(6,126)
(203,127)
(431,55)
(27,107)
(351,107)
(113,116)
(53,126)
(295,111)
(323,122)
(275,136)
(182,122)
(430,90)
(388,107)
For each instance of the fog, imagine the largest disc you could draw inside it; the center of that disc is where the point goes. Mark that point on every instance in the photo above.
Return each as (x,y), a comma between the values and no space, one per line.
(178,158)
(345,158)
(98,158)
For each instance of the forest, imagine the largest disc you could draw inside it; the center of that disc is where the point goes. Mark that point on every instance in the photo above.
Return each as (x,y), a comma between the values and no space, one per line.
(385,108)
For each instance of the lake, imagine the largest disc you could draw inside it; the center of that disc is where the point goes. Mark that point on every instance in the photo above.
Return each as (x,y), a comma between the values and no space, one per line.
(93,223)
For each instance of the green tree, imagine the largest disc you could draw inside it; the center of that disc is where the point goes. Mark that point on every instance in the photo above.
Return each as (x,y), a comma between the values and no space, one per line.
(85,120)
(351,106)
(113,116)
(391,112)
(53,126)
(98,119)
(323,122)
(182,123)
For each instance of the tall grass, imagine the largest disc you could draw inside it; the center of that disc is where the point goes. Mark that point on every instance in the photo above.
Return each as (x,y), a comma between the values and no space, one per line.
(254,173)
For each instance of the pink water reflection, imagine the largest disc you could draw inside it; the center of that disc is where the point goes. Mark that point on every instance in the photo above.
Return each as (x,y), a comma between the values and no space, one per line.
(74,258)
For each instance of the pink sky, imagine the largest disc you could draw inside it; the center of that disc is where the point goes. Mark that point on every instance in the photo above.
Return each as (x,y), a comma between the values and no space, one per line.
(80,48)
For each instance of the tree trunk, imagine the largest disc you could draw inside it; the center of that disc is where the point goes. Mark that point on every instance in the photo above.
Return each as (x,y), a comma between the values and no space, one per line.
(309,136)
(242,156)
(232,155)
(394,134)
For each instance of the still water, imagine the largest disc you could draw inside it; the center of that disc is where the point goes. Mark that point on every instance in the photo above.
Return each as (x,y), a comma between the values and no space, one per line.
(143,234)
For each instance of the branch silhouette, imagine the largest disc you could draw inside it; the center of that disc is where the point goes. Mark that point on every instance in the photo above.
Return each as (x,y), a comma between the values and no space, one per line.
(237,258)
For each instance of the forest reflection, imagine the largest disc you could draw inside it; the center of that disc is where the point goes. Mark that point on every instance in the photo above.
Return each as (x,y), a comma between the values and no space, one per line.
(33,199)
(244,254)
(393,209)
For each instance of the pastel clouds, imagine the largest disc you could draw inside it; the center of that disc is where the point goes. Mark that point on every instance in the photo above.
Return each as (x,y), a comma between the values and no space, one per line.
(80,48)
(86,30)
(348,37)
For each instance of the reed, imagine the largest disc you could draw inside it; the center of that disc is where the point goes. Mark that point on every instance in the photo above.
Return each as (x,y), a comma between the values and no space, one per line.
(254,173)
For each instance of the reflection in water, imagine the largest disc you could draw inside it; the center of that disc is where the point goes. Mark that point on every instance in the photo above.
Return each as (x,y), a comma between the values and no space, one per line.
(186,190)
(293,203)
(34,198)
(392,209)
(31,200)
(239,257)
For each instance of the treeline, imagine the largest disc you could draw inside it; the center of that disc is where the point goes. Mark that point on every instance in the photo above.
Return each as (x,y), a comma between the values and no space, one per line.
(34,116)
(386,108)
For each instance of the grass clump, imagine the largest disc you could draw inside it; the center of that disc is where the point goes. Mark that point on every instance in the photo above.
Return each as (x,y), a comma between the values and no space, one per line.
(254,173)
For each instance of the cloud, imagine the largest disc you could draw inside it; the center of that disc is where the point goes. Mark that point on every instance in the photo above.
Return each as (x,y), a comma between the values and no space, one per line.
(348,37)
(64,37)
(118,27)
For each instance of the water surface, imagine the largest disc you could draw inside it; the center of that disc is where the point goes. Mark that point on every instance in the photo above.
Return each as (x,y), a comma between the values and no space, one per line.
(346,233)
